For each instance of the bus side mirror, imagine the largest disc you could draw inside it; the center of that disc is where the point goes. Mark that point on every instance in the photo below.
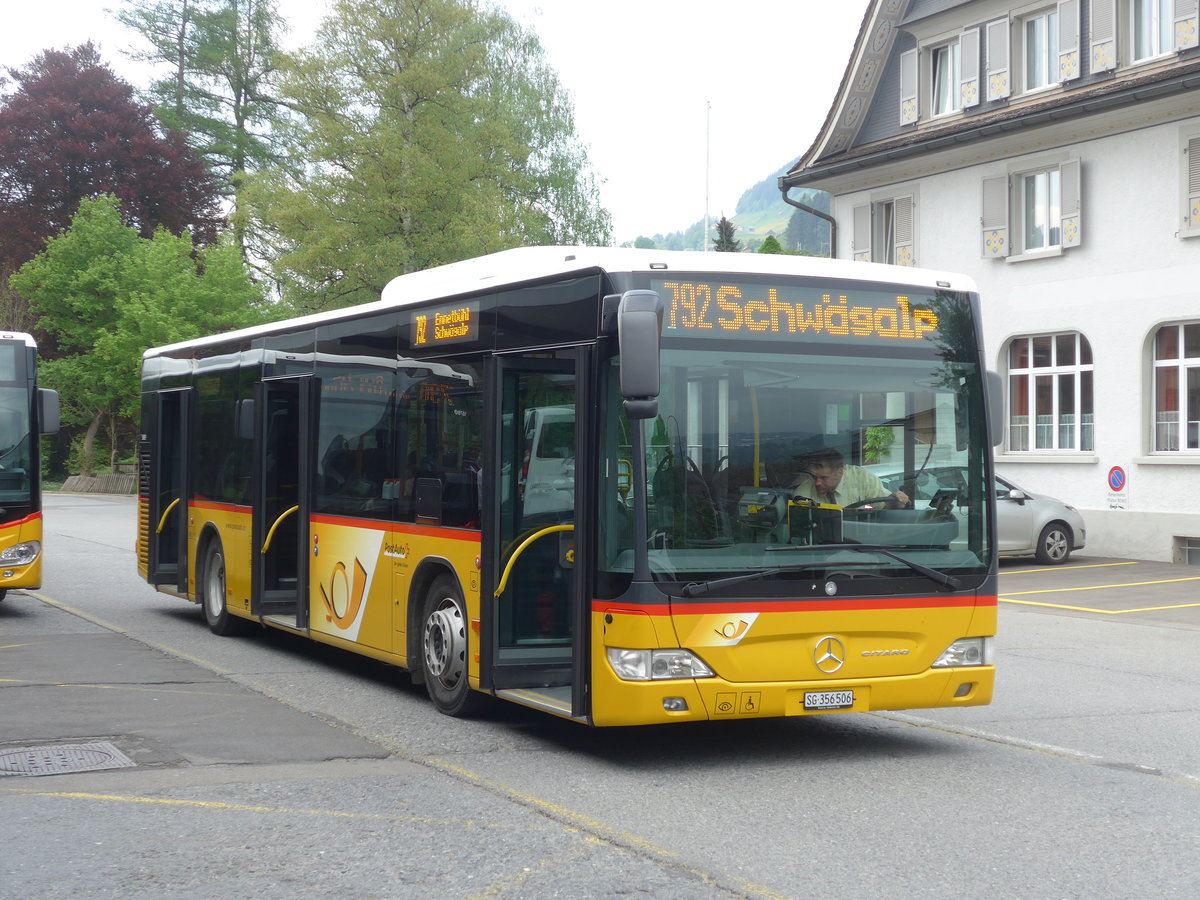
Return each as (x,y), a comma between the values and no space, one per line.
(995,402)
(49,411)
(639,328)
(243,412)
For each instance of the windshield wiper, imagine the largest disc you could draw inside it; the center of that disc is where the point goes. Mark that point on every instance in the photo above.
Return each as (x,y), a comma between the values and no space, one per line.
(932,574)
(695,588)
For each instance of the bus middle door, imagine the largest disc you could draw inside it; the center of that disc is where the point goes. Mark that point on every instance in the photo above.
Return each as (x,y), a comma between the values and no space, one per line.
(167,490)
(531,605)
(283,475)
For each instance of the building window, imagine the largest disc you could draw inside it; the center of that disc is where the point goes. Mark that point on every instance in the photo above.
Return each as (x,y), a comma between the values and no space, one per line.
(1153,22)
(885,231)
(1177,387)
(1040,36)
(1031,213)
(944,73)
(1050,393)
(1041,210)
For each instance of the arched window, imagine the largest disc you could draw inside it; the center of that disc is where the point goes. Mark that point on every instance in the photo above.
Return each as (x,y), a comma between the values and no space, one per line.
(1050,393)
(1177,387)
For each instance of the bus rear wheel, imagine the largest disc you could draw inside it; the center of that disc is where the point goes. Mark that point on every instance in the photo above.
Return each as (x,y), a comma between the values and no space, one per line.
(212,593)
(445,634)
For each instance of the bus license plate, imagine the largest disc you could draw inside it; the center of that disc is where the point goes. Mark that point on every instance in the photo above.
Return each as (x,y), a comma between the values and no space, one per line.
(828,699)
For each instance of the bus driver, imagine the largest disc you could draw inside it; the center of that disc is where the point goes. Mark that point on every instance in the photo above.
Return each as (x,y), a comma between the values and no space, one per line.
(825,478)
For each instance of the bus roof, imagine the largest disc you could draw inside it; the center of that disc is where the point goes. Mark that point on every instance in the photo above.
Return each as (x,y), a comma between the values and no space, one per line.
(27,339)
(524,264)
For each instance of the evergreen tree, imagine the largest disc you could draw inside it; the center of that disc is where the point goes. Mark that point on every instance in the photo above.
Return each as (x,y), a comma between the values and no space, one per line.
(433,131)
(221,56)
(770,245)
(725,242)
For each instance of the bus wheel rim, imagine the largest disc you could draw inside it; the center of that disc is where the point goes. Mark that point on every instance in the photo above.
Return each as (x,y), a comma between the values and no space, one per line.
(215,585)
(446,643)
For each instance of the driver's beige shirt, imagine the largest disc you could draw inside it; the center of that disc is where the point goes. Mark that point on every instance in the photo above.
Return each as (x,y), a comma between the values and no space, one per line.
(857,484)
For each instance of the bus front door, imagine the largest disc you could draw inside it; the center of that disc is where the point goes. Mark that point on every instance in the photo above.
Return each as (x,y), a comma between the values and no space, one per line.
(283,473)
(531,604)
(167,492)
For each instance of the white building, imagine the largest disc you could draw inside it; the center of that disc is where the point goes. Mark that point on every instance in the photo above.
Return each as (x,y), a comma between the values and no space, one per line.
(1052,151)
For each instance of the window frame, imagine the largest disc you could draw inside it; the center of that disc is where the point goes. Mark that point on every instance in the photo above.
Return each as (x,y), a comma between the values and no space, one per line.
(951,80)
(1025,380)
(1161,30)
(1041,212)
(1186,370)
(1048,57)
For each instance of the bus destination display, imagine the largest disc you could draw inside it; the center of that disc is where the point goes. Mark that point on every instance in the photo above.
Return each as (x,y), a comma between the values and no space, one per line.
(445,325)
(700,309)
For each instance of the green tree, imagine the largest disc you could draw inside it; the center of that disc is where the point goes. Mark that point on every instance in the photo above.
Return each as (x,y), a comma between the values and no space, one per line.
(770,245)
(433,131)
(805,232)
(221,58)
(645,243)
(105,294)
(725,242)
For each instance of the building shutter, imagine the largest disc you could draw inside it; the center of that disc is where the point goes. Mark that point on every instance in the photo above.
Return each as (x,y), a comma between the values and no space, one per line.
(1072,221)
(999,80)
(1192,168)
(1187,18)
(1068,40)
(968,82)
(861,247)
(904,210)
(909,108)
(994,220)
(1104,35)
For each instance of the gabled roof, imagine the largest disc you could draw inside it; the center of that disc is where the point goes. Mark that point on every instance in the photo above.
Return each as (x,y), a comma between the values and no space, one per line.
(842,146)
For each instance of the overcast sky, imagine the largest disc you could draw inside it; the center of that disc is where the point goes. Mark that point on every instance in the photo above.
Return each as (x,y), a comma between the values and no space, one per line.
(676,100)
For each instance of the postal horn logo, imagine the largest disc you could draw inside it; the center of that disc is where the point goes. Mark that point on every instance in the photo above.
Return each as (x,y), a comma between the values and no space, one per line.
(344,598)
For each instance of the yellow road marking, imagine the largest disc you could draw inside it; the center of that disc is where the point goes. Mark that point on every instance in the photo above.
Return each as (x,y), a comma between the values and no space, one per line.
(1101,587)
(241,807)
(1043,570)
(1107,612)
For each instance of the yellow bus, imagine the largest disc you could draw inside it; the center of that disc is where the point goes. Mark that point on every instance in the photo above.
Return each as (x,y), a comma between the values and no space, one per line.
(575,479)
(26,412)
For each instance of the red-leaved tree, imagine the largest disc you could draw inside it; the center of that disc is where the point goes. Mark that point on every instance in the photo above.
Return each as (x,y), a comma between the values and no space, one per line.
(71,129)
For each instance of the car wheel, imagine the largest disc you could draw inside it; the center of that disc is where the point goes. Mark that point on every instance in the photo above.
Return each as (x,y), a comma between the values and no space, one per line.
(1054,544)
(212,593)
(444,649)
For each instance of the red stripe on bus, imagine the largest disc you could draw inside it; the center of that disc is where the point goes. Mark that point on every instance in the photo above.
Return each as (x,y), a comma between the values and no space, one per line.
(450,534)
(769,606)
(219,507)
(32,517)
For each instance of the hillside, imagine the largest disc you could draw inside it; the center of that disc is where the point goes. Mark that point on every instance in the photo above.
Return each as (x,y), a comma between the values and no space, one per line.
(761,211)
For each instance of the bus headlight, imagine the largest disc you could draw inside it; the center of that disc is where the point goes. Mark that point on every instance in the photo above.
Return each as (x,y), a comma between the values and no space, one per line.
(657,665)
(966,652)
(20,554)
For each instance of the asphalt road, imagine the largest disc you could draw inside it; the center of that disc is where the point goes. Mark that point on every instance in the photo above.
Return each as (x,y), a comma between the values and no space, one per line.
(272,767)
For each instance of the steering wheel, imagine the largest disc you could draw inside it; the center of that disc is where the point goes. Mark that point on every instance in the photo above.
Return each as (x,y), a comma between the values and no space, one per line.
(869,502)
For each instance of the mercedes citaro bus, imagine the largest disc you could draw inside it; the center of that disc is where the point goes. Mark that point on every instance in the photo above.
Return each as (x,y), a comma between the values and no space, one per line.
(567,477)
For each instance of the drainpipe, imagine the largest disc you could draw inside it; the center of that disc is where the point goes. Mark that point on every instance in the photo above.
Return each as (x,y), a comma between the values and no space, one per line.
(783,189)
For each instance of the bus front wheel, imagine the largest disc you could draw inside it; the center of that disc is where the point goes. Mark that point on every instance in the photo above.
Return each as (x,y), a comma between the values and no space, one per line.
(212,597)
(444,648)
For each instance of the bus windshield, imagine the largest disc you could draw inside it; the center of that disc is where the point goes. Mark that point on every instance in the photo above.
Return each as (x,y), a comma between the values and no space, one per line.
(16,447)
(798,460)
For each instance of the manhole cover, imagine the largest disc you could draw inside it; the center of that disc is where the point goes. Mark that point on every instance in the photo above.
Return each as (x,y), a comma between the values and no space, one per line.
(62,759)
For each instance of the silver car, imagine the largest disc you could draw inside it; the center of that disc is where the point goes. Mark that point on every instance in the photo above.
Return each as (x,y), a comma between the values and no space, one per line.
(1027,524)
